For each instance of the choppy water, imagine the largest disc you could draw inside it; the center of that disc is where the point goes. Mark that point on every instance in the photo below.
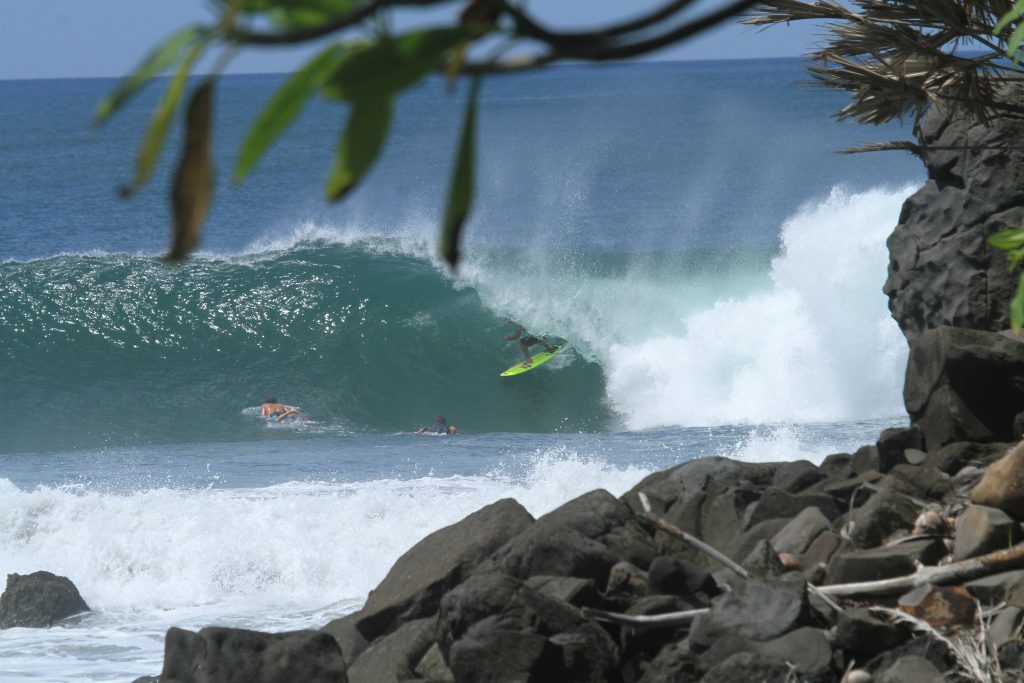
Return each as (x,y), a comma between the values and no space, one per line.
(688,227)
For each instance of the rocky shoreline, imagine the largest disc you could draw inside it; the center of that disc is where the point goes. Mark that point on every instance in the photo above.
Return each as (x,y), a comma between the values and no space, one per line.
(899,562)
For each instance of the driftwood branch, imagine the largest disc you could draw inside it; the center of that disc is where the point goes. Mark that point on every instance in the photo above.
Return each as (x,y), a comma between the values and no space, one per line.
(700,545)
(645,620)
(966,570)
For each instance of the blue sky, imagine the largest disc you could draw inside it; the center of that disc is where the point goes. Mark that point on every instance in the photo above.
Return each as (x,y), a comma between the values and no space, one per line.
(86,38)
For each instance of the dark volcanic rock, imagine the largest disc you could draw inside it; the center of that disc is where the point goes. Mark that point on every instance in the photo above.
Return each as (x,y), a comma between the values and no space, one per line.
(1002,486)
(798,534)
(883,563)
(941,271)
(981,530)
(350,640)
(416,582)
(748,666)
(836,466)
(231,655)
(394,657)
(495,628)
(892,444)
(863,635)
(776,503)
(38,600)
(793,477)
(911,669)
(964,385)
(672,576)
(885,513)
(669,487)
(584,538)
(951,458)
(919,481)
(567,589)
(756,610)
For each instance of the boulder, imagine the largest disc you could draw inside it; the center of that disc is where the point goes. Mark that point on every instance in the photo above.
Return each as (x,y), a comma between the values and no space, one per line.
(756,610)
(953,457)
(912,669)
(941,271)
(414,585)
(348,637)
(776,503)
(964,385)
(892,446)
(819,552)
(863,635)
(395,656)
(1002,486)
(883,563)
(627,578)
(38,600)
(884,514)
(675,485)
(494,627)
(798,534)
(837,466)
(232,655)
(749,666)
(568,589)
(995,588)
(919,481)
(739,548)
(793,477)
(866,458)
(981,530)
(432,668)
(674,663)
(672,576)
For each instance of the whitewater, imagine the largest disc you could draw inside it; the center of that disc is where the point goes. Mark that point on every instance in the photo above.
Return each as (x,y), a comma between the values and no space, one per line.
(715,265)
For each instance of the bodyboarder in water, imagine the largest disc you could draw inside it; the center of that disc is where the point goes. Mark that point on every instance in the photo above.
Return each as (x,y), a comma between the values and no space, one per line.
(272,408)
(526,340)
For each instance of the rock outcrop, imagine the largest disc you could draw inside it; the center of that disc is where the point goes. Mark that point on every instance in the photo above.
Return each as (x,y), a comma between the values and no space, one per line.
(941,270)
(39,600)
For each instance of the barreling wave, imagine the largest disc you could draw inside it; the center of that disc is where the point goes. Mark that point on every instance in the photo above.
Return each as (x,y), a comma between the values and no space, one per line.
(369,334)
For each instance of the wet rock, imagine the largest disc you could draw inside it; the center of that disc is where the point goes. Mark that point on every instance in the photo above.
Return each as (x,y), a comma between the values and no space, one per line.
(798,534)
(494,627)
(953,457)
(793,477)
(38,600)
(964,385)
(885,513)
(756,610)
(883,563)
(348,637)
(394,657)
(776,503)
(1002,486)
(940,606)
(863,635)
(414,585)
(674,486)
(893,444)
(981,530)
(230,655)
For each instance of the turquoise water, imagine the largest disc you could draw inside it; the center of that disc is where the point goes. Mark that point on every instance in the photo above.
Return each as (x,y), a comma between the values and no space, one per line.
(689,227)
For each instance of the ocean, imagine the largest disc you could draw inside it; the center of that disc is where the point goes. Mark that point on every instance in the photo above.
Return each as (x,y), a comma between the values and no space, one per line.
(689,227)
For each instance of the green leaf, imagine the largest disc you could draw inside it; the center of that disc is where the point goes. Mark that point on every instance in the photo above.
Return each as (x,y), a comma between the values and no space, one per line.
(1009,17)
(1015,256)
(156,62)
(1011,238)
(460,191)
(1017,306)
(160,123)
(392,65)
(360,146)
(193,180)
(1013,45)
(284,106)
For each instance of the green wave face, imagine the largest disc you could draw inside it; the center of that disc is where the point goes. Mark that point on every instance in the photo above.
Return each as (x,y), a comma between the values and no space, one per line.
(115,350)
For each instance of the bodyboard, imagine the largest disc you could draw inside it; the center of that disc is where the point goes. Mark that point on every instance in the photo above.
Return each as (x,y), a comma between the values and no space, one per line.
(538,360)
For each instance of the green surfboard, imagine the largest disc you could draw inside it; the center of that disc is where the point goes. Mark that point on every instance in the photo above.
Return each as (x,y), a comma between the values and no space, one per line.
(538,360)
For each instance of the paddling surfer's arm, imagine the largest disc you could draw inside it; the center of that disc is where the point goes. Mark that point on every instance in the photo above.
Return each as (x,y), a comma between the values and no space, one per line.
(515,335)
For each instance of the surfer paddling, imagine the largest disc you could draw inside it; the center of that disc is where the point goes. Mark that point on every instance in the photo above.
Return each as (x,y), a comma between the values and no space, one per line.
(272,408)
(526,340)
(440,426)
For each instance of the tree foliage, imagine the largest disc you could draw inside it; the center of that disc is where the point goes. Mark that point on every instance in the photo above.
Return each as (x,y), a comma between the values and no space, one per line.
(898,58)
(365,67)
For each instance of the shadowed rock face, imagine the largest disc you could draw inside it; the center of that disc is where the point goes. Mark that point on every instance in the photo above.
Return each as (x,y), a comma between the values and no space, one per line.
(941,271)
(38,600)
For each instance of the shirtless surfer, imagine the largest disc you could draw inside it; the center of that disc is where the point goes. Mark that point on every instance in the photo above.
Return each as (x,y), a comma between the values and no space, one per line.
(271,408)
(526,340)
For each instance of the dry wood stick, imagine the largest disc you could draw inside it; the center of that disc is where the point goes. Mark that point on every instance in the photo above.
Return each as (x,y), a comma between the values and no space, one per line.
(649,620)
